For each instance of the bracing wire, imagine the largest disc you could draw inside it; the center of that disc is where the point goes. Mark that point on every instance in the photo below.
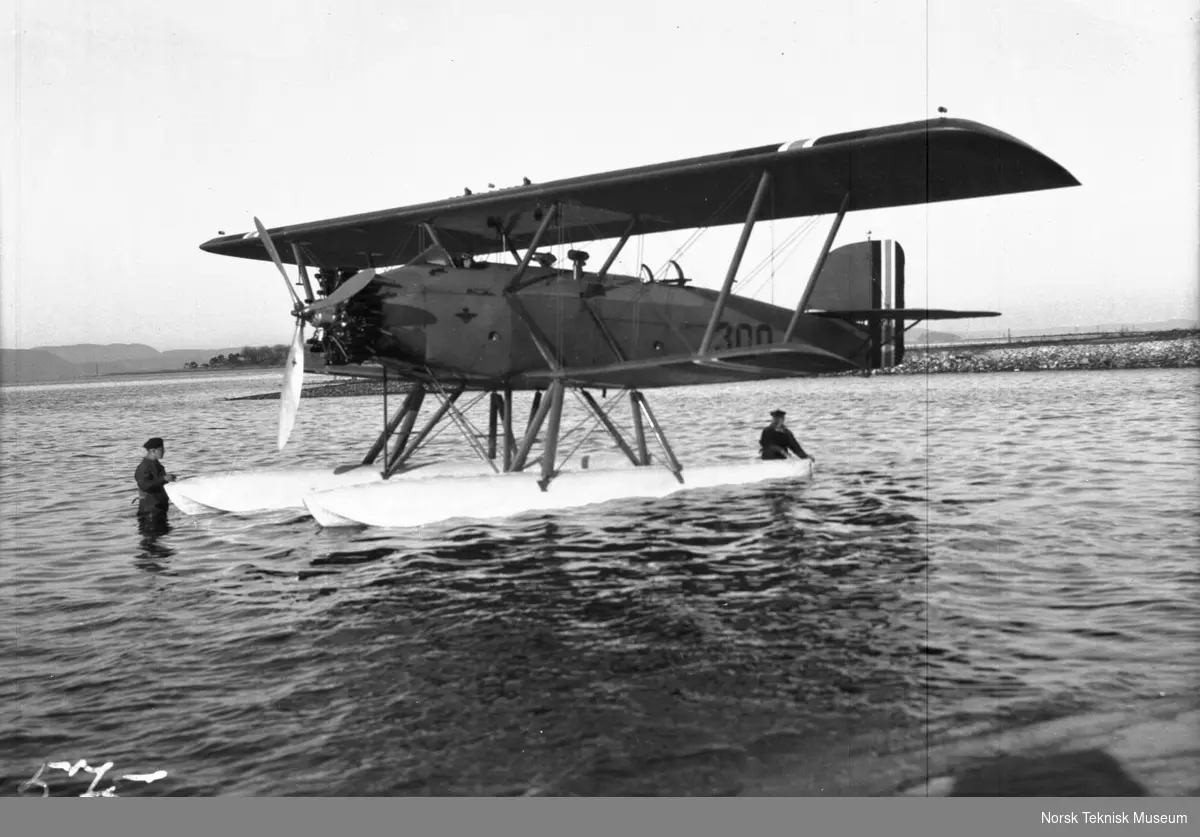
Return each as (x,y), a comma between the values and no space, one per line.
(701,230)
(442,426)
(784,251)
(596,423)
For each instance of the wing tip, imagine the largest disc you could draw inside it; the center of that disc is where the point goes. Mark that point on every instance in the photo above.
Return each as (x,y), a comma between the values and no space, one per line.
(220,244)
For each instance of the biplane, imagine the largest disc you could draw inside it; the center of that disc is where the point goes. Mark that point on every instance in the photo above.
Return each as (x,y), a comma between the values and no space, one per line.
(463,297)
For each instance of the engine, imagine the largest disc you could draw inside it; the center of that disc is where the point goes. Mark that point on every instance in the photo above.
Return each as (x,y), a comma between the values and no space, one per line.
(348,334)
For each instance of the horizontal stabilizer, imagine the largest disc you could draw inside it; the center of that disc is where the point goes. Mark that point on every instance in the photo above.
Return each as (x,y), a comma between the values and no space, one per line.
(869,314)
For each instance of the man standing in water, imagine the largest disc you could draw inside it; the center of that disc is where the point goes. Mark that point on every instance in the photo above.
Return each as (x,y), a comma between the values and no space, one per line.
(151,479)
(776,440)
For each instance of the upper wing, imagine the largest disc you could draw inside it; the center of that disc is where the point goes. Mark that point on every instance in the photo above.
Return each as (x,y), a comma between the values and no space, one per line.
(898,165)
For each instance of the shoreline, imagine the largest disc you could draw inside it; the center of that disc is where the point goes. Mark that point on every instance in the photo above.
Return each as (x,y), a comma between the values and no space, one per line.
(1169,350)
(1129,350)
(1164,350)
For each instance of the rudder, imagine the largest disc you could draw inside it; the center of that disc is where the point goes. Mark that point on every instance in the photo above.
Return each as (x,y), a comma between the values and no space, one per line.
(866,275)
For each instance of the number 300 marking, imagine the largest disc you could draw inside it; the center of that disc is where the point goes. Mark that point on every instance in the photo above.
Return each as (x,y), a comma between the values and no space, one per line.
(744,335)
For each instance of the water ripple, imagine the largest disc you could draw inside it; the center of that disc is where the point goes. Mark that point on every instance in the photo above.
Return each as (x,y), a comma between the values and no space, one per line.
(975,550)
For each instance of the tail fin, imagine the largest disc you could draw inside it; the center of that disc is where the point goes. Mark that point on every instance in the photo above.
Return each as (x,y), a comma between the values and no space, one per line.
(866,276)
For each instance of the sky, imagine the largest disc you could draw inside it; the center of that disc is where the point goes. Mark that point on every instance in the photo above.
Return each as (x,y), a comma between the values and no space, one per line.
(133,130)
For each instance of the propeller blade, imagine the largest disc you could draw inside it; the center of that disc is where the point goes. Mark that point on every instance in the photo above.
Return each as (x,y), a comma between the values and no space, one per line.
(293,379)
(344,291)
(308,294)
(270,245)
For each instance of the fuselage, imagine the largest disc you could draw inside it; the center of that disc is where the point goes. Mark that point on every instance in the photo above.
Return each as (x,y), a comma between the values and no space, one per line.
(456,324)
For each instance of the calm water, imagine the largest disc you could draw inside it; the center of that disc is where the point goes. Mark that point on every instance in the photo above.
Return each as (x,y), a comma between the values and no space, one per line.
(974,550)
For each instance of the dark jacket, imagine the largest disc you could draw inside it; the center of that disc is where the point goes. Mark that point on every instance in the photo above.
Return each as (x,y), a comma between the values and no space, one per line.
(776,443)
(151,478)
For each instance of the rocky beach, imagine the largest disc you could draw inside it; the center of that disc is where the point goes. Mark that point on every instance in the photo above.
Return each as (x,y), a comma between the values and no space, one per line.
(1162,350)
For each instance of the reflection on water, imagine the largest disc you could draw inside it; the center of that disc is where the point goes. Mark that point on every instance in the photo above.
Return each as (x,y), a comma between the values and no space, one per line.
(152,554)
(969,554)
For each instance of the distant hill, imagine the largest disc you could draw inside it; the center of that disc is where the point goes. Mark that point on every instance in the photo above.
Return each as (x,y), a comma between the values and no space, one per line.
(27,365)
(95,353)
(89,360)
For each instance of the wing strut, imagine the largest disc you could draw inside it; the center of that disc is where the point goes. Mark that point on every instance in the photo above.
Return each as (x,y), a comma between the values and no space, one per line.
(764,183)
(515,284)
(540,340)
(298,256)
(432,232)
(612,257)
(816,271)
(604,332)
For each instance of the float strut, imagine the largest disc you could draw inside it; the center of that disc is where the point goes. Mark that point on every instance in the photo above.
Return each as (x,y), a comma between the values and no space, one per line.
(535,424)
(537,403)
(390,428)
(674,465)
(550,446)
(417,397)
(608,425)
(402,455)
(639,431)
(467,430)
(510,444)
(494,409)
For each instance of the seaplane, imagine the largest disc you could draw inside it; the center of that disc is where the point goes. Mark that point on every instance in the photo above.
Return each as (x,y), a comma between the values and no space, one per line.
(462,298)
